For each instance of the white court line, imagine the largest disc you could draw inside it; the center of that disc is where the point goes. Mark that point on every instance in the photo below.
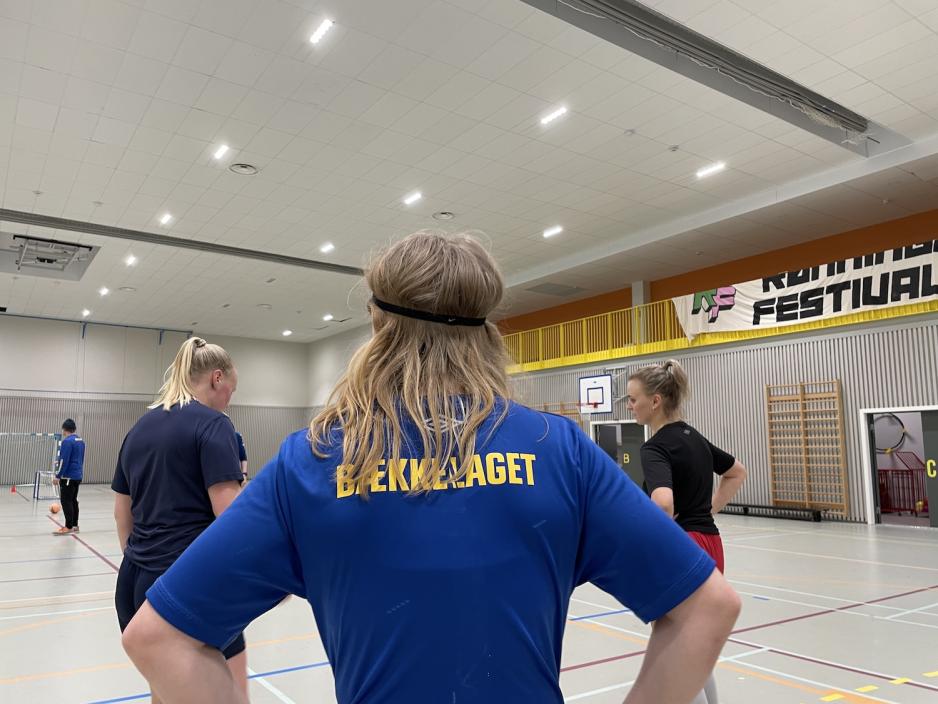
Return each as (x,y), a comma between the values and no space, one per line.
(57,613)
(623,685)
(605,607)
(842,559)
(912,611)
(270,688)
(734,539)
(818,596)
(823,685)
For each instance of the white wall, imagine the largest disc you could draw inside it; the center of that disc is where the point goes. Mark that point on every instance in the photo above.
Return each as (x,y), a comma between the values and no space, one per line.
(48,356)
(328,359)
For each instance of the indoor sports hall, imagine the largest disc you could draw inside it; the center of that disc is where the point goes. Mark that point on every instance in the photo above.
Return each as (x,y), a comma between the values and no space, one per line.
(747,187)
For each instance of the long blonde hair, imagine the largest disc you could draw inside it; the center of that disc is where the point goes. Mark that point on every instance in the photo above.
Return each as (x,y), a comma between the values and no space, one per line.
(446,379)
(669,380)
(194,358)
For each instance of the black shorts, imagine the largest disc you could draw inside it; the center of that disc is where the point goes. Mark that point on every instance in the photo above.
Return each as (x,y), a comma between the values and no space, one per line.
(132,584)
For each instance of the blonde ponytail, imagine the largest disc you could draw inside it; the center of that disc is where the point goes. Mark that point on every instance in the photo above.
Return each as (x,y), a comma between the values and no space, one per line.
(669,380)
(194,358)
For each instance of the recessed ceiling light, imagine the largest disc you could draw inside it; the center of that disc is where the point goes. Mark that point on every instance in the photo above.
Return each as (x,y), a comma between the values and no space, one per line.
(413,198)
(443,215)
(85,313)
(243,169)
(551,231)
(287,333)
(130,260)
(712,169)
(327,317)
(221,151)
(321,31)
(327,247)
(166,219)
(551,116)
(104,290)
(127,289)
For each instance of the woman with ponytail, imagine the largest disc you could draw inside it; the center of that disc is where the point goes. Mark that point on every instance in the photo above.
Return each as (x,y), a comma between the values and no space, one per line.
(436,527)
(679,464)
(178,469)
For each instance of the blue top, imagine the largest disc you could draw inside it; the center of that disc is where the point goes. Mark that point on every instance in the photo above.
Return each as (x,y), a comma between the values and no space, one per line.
(168,461)
(460,595)
(71,458)
(242,452)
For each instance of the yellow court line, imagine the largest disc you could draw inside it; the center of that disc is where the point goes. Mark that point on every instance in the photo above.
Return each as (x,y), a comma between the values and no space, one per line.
(49,622)
(735,668)
(55,601)
(868,688)
(930,674)
(900,680)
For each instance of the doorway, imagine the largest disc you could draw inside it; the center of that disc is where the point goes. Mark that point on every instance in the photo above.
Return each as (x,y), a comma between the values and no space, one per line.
(622,441)
(902,449)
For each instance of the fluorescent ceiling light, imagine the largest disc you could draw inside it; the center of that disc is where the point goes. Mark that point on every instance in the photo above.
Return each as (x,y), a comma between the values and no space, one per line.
(287,333)
(321,31)
(104,290)
(327,247)
(130,260)
(712,169)
(166,219)
(413,198)
(551,231)
(327,317)
(221,151)
(550,117)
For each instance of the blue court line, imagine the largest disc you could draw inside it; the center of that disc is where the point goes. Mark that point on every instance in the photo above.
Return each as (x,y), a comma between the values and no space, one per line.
(600,615)
(55,559)
(255,676)
(761,598)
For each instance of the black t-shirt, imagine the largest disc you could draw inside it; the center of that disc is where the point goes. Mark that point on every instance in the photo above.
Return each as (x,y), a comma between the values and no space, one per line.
(168,461)
(683,460)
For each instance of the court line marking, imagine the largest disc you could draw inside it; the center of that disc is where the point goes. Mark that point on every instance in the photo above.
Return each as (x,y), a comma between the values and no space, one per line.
(57,613)
(270,688)
(911,611)
(62,576)
(842,559)
(814,594)
(848,694)
(75,536)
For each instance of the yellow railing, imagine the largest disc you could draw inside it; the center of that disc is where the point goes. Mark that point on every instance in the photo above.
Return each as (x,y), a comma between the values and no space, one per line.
(649,329)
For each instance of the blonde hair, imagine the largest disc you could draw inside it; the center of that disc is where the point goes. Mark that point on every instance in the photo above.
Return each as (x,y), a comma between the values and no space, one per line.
(669,380)
(445,378)
(194,358)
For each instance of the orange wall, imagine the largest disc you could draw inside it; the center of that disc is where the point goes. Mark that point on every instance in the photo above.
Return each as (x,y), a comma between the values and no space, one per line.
(603,303)
(895,233)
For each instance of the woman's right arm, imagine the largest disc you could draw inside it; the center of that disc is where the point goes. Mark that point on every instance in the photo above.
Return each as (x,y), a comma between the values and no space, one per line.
(730,482)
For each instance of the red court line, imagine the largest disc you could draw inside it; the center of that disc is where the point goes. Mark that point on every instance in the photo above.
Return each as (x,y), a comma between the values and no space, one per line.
(858,604)
(847,668)
(113,566)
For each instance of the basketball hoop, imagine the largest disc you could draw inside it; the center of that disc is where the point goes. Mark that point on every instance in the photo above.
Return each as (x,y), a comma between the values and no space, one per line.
(589,408)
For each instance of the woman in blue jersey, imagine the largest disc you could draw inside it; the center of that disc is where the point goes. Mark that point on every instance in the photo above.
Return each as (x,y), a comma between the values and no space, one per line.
(436,527)
(177,470)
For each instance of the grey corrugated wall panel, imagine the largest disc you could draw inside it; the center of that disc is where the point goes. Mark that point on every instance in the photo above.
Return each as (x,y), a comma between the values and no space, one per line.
(103,422)
(887,366)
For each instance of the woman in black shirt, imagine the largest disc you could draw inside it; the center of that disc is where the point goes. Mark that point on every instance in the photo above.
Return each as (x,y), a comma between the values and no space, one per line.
(679,463)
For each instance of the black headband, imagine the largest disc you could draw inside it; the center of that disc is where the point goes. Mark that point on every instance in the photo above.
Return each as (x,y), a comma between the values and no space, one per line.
(431,317)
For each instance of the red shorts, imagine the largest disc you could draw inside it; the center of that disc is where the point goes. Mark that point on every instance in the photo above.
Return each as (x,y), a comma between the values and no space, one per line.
(711,544)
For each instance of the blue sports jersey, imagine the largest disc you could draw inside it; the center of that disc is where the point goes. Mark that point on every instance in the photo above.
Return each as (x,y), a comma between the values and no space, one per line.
(71,458)
(456,595)
(166,465)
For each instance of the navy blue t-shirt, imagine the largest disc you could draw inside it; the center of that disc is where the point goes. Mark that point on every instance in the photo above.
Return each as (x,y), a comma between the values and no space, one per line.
(168,461)
(242,451)
(456,595)
(71,458)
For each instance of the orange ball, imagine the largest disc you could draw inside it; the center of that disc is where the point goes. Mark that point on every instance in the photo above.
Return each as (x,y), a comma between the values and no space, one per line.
(55,508)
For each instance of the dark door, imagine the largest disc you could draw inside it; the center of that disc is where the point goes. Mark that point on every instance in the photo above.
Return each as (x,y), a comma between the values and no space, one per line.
(623,442)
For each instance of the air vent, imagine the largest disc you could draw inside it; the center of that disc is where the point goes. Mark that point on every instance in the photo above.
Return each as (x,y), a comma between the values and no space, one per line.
(559,290)
(50,259)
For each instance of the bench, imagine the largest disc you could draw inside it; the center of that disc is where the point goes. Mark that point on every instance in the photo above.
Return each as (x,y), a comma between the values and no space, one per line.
(791,512)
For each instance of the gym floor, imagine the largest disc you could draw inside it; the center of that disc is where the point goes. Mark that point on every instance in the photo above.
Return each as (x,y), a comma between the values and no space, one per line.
(831,612)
